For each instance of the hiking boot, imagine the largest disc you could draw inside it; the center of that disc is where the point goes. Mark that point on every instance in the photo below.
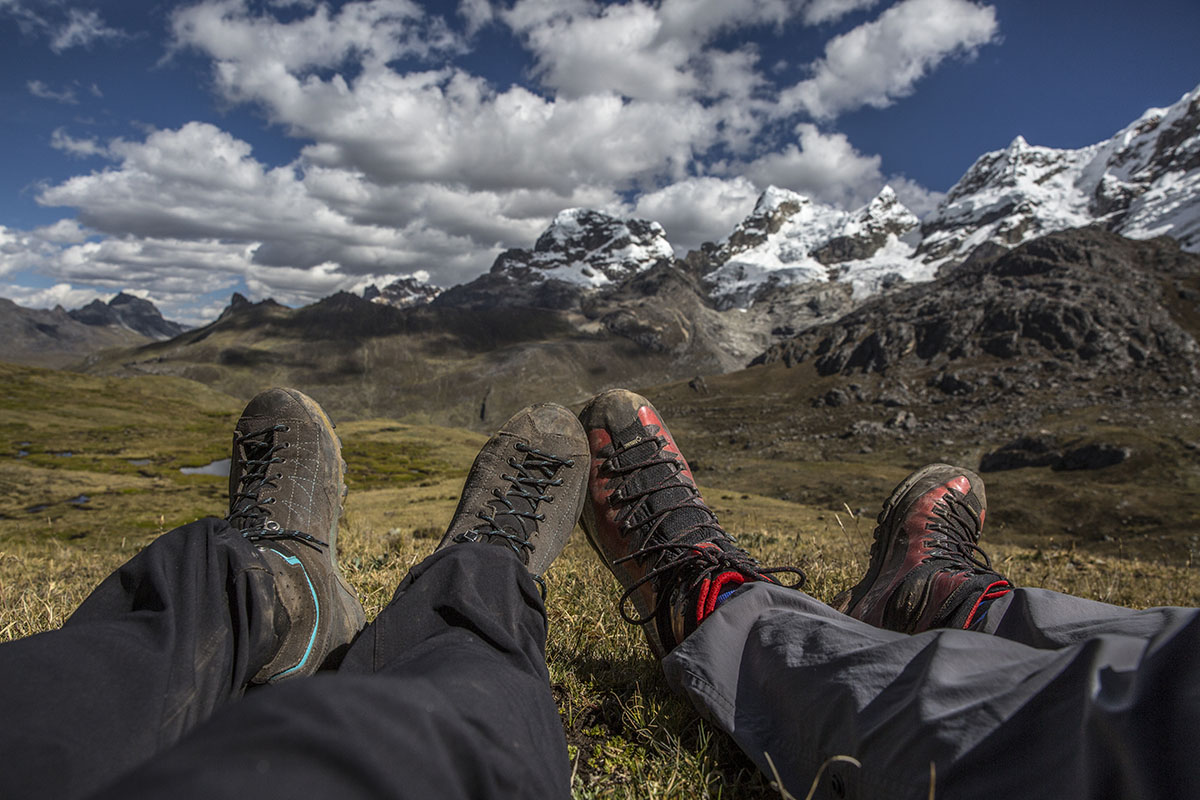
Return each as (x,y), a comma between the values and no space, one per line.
(285,496)
(927,570)
(647,520)
(526,487)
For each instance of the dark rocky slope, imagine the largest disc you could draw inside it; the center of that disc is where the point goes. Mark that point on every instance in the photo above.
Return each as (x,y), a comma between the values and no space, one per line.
(52,338)
(126,311)
(1091,302)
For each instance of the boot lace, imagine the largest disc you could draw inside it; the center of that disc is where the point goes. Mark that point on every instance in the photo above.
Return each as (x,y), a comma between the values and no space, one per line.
(955,527)
(531,479)
(249,512)
(700,550)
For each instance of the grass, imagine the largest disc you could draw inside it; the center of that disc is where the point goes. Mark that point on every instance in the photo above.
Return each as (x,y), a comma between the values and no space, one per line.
(628,735)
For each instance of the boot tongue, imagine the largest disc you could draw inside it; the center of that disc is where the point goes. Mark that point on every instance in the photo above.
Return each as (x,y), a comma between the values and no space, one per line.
(247,478)
(504,515)
(674,492)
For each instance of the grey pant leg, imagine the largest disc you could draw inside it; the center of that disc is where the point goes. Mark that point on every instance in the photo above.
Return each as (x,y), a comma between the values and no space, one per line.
(1045,619)
(1115,714)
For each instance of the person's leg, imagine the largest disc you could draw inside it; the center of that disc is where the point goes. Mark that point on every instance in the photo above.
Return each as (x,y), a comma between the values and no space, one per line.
(928,571)
(788,676)
(157,647)
(785,675)
(185,625)
(446,694)
(1048,619)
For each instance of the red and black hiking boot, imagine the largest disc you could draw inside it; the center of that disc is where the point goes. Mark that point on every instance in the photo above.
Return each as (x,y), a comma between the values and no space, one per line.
(285,496)
(647,520)
(927,570)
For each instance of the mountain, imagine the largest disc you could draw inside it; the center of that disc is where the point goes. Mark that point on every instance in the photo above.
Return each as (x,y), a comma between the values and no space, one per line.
(1067,370)
(794,262)
(433,362)
(581,250)
(1087,301)
(38,337)
(129,312)
(790,239)
(1143,182)
(404,293)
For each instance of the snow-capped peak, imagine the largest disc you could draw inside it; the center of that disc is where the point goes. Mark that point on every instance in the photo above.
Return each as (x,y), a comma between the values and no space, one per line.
(589,248)
(884,214)
(789,239)
(403,293)
(774,197)
(1142,182)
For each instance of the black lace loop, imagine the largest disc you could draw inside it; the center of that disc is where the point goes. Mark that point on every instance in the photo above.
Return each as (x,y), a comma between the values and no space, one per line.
(694,551)
(955,526)
(248,508)
(532,477)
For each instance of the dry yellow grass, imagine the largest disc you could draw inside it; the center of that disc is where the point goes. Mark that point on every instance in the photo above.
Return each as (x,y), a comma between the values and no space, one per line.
(628,735)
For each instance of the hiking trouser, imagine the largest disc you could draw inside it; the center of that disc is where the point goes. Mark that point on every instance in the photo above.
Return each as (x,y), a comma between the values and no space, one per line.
(139,694)
(1058,697)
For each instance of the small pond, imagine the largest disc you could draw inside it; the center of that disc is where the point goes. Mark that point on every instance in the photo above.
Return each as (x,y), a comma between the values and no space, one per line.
(220,468)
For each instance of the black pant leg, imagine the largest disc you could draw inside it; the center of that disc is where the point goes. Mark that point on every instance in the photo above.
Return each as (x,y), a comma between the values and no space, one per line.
(155,649)
(444,695)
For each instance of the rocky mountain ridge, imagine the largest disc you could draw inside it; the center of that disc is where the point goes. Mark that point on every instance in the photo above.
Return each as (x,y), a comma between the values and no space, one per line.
(794,263)
(790,239)
(1070,307)
(582,250)
(403,293)
(130,312)
(1142,182)
(53,338)
(60,338)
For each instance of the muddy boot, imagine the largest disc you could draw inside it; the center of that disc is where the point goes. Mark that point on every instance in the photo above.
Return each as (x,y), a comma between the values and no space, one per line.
(526,487)
(646,519)
(285,496)
(927,570)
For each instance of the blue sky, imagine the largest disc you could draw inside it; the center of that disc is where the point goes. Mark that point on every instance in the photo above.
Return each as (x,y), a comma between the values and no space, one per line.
(291,148)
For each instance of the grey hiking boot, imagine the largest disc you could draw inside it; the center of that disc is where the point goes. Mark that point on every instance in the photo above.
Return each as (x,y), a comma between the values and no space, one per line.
(285,496)
(526,487)
(652,529)
(927,569)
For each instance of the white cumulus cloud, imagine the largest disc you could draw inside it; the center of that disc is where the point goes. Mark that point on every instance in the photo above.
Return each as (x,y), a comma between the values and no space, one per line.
(80,148)
(476,13)
(882,60)
(823,166)
(698,210)
(410,163)
(821,11)
(60,294)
